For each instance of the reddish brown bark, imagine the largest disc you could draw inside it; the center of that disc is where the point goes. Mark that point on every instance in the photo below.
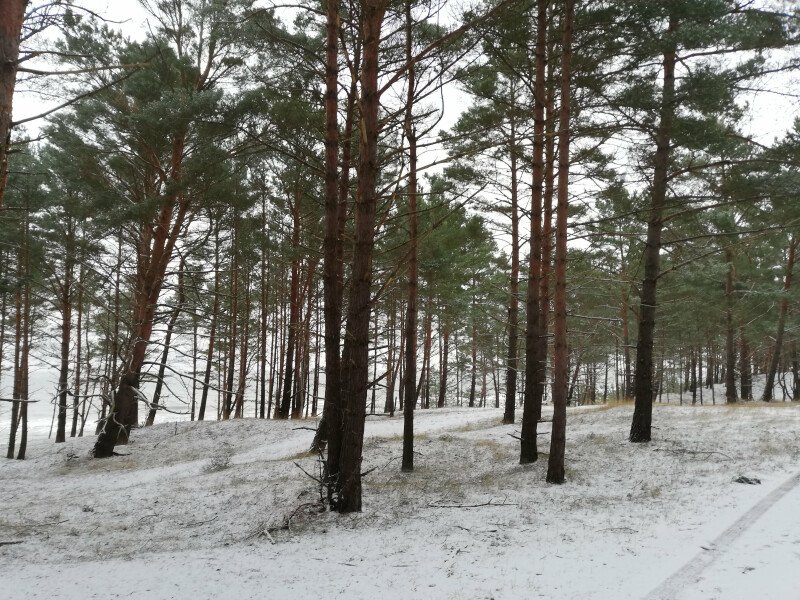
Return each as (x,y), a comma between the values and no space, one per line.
(531,411)
(355,370)
(555,464)
(12,15)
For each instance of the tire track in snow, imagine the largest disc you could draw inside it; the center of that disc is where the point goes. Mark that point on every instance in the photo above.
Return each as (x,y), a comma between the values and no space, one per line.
(690,573)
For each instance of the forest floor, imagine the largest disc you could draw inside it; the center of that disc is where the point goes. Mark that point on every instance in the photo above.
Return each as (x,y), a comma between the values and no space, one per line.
(223,510)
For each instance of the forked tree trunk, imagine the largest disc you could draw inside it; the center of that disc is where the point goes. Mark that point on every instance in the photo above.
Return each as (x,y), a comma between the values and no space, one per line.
(156,246)
(555,464)
(330,426)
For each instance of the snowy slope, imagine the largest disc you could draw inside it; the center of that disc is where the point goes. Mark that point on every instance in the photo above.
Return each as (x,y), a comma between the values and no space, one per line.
(220,510)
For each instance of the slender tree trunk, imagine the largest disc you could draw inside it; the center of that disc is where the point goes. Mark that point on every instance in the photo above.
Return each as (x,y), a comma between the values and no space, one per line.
(201,413)
(782,312)
(555,464)
(744,364)
(443,367)
(264,312)
(534,367)
(513,299)
(162,368)
(3,312)
(227,406)
(643,377)
(391,369)
(410,371)
(730,346)
(78,357)
(474,354)
(16,393)
(66,334)
(795,373)
(244,345)
(294,313)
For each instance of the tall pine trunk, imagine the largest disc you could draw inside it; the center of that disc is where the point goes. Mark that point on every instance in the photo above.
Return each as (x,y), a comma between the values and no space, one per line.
(531,412)
(513,298)
(555,464)
(410,371)
(643,376)
(355,353)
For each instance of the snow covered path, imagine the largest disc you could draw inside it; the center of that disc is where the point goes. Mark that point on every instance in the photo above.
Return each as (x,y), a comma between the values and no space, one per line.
(198,510)
(760,551)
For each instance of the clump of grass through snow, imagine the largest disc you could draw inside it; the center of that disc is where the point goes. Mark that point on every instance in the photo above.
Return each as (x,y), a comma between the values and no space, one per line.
(221,459)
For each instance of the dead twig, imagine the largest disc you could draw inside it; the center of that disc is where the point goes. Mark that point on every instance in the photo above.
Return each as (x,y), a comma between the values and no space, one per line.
(196,523)
(489,503)
(11,543)
(317,479)
(693,452)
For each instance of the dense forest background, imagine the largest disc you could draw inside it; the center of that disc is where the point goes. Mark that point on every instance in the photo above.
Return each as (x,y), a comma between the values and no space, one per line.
(336,208)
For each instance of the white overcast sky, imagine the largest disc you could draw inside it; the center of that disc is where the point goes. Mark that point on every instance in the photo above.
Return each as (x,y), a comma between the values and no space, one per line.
(772,110)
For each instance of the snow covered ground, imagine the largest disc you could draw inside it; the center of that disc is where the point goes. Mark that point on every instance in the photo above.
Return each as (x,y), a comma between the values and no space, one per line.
(221,510)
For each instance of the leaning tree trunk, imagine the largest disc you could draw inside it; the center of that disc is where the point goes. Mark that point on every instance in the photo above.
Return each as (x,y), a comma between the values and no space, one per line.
(355,372)
(555,464)
(643,376)
(782,312)
(156,246)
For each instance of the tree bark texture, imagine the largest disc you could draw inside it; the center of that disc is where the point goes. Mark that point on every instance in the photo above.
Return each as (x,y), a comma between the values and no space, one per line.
(355,367)
(555,464)
(643,376)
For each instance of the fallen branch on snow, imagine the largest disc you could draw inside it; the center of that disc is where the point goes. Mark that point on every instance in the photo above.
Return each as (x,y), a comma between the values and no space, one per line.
(489,503)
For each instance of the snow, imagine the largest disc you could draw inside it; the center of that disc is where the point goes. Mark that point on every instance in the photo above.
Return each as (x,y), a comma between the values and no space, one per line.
(221,510)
